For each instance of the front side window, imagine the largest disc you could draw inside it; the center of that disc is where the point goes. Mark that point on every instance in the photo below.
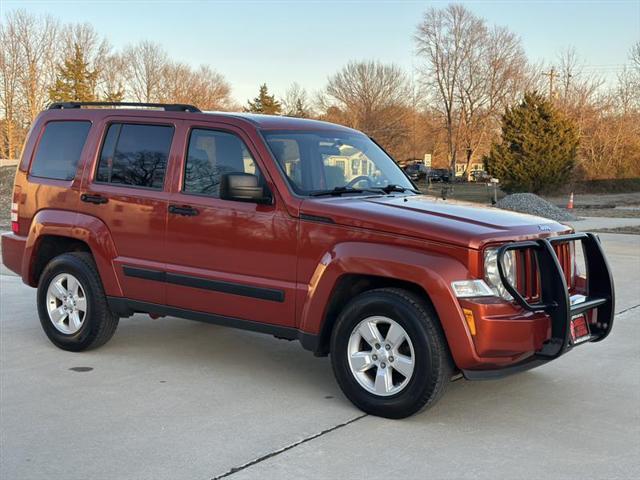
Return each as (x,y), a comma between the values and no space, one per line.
(314,162)
(211,154)
(135,155)
(59,150)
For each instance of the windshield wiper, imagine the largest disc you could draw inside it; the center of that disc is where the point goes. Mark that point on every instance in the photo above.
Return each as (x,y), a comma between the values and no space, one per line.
(396,188)
(340,190)
(336,191)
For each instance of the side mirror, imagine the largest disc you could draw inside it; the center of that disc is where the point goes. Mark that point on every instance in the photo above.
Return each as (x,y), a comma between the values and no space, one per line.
(242,187)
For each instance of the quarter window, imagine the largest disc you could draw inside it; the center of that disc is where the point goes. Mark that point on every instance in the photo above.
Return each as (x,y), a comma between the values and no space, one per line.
(135,155)
(59,150)
(210,155)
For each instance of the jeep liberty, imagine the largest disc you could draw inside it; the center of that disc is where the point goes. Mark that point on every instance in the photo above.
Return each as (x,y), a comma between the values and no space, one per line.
(297,228)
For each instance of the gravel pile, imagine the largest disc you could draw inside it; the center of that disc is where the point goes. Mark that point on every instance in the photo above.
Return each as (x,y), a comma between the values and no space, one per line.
(534,205)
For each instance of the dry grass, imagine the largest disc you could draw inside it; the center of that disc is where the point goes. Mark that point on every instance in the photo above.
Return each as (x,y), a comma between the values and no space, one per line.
(597,200)
(634,230)
(607,212)
(6,187)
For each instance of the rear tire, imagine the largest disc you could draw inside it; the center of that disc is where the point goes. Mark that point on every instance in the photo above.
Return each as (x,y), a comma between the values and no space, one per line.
(404,365)
(72,305)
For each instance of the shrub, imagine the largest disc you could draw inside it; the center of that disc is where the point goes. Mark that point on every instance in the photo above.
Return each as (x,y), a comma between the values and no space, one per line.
(537,151)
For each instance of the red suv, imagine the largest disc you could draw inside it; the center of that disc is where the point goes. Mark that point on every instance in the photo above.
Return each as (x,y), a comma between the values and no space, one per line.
(297,228)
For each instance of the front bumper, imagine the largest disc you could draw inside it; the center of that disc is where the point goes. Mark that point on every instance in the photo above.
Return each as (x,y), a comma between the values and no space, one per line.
(544,328)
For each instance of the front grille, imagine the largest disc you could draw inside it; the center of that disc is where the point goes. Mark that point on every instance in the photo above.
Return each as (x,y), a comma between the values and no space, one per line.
(563,251)
(528,281)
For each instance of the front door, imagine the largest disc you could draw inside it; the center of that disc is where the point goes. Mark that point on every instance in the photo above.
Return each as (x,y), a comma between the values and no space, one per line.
(230,258)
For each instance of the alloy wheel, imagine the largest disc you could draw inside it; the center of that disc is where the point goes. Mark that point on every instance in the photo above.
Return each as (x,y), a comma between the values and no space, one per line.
(66,303)
(381,356)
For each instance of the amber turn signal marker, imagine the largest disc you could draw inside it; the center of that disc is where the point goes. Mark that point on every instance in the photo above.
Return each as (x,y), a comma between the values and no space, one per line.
(468,315)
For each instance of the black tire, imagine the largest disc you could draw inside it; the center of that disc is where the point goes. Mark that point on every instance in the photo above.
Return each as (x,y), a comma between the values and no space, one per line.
(99,322)
(432,361)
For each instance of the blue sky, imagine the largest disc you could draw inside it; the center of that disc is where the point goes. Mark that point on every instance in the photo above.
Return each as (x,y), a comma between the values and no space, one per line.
(279,42)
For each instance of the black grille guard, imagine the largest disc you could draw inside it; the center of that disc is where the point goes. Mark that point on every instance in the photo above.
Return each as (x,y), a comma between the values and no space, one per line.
(555,299)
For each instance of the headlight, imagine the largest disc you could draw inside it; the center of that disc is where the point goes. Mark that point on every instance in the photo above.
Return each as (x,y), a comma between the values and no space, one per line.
(491,274)
(471,288)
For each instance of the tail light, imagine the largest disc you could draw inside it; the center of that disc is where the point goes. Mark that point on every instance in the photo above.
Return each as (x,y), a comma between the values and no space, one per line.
(15,227)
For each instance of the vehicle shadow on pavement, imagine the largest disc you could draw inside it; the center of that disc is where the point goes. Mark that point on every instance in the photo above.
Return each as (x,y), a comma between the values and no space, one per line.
(213,351)
(178,344)
(207,352)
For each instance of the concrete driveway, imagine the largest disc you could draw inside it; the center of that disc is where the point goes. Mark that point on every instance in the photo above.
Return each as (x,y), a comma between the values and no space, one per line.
(176,399)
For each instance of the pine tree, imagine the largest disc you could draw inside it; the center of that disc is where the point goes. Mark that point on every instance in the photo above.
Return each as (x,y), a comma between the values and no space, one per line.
(75,81)
(264,103)
(116,95)
(299,110)
(537,152)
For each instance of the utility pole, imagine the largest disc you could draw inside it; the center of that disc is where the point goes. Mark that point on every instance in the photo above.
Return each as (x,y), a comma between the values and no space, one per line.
(552,74)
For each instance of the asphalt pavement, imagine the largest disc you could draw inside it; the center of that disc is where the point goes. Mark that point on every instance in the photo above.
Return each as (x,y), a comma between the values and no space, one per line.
(174,399)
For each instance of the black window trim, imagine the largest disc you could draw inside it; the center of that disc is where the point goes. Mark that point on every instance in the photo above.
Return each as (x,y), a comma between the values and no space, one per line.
(36,147)
(103,140)
(185,158)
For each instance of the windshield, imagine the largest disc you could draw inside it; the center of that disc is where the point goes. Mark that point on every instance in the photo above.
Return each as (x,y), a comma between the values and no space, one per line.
(316,162)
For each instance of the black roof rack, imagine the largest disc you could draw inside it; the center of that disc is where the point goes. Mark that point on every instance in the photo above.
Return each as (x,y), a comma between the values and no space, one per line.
(167,107)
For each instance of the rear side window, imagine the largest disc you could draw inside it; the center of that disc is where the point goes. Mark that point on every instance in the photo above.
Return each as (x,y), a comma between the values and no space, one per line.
(135,155)
(59,150)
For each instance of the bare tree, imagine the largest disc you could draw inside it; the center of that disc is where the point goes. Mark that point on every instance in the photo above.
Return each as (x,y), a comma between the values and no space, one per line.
(210,90)
(610,139)
(112,78)
(10,68)
(371,97)
(445,42)
(296,102)
(491,79)
(203,87)
(470,73)
(578,88)
(146,63)
(610,124)
(635,56)
(628,89)
(38,39)
(174,83)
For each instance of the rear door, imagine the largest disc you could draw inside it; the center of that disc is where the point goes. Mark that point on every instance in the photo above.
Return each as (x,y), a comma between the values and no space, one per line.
(230,258)
(125,188)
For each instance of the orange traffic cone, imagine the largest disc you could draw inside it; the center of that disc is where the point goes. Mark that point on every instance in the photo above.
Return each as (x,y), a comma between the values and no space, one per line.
(570,204)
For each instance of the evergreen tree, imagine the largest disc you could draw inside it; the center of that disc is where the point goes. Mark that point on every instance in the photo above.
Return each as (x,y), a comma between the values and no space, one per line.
(114,96)
(264,103)
(75,81)
(299,110)
(537,152)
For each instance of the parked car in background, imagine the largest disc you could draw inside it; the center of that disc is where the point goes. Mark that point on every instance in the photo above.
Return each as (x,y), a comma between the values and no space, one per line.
(416,171)
(297,228)
(479,176)
(438,175)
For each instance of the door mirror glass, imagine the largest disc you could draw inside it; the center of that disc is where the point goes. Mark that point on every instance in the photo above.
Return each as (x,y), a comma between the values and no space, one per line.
(242,187)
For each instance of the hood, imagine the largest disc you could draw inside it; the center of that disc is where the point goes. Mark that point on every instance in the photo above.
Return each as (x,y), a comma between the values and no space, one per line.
(420,216)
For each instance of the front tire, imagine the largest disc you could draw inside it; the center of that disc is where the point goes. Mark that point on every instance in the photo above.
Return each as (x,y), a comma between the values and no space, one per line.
(72,305)
(389,354)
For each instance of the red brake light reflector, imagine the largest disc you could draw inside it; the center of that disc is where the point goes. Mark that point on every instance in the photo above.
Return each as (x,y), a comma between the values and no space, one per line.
(579,329)
(15,227)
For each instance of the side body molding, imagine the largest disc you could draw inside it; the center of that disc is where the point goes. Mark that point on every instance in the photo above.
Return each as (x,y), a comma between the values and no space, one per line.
(433,272)
(79,226)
